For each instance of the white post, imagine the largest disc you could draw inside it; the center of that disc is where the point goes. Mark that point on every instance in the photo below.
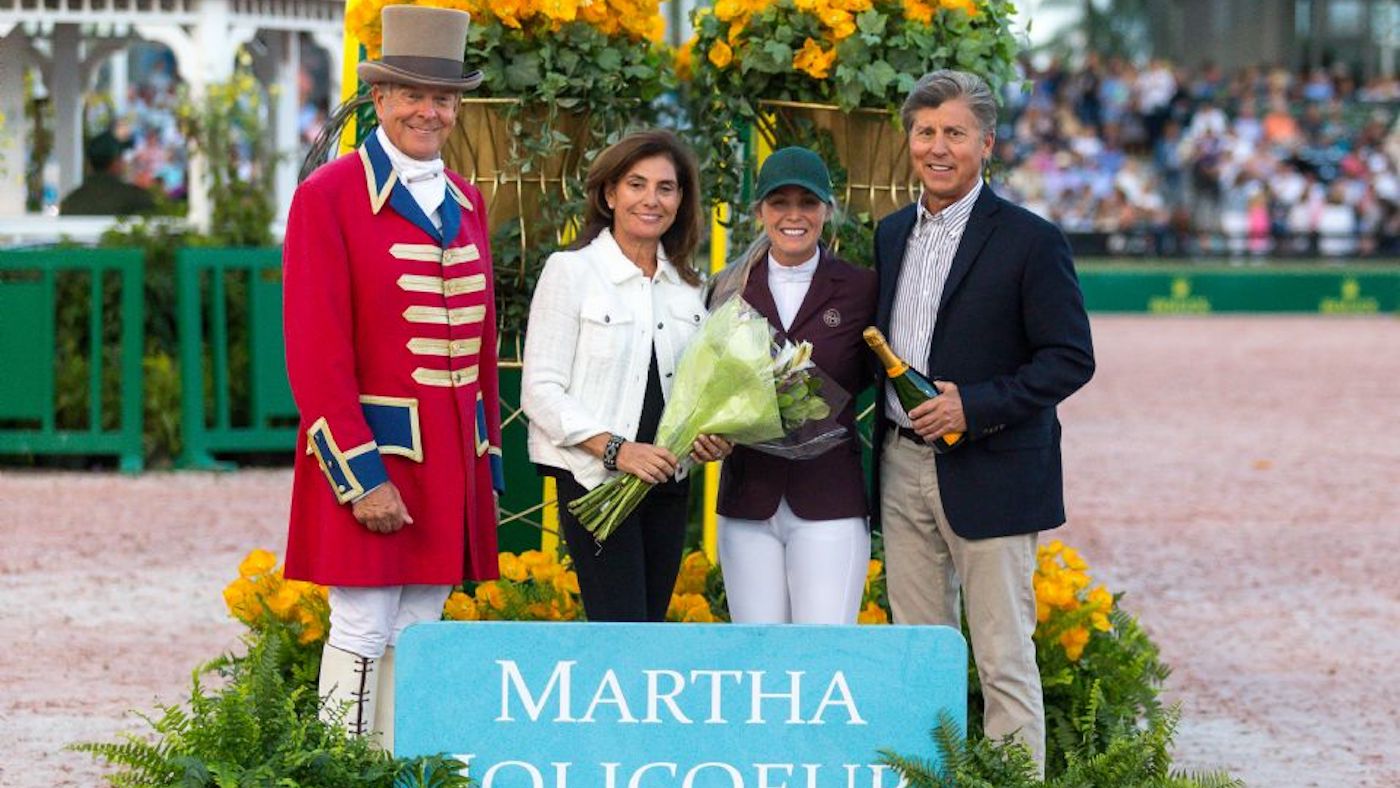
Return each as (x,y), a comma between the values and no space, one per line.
(213,62)
(66,92)
(120,68)
(14,157)
(334,45)
(286,136)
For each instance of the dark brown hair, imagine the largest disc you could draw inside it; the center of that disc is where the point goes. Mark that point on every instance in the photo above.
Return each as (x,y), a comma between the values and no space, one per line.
(683,236)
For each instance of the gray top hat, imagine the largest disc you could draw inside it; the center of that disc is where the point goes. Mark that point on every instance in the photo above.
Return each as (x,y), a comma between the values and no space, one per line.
(422,46)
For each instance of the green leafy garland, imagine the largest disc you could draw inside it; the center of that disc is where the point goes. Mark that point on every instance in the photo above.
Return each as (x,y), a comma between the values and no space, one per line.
(802,50)
(609,83)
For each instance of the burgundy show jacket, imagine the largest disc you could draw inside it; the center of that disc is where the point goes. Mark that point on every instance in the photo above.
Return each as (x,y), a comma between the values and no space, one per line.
(839,304)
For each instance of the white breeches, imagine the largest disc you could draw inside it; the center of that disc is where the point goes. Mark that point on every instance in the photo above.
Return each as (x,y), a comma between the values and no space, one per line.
(367,619)
(789,570)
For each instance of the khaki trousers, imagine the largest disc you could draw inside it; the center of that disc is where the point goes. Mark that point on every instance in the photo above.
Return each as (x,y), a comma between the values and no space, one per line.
(927,564)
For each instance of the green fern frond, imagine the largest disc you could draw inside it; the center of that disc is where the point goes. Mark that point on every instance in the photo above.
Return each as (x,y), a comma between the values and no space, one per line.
(1204,780)
(146,763)
(434,771)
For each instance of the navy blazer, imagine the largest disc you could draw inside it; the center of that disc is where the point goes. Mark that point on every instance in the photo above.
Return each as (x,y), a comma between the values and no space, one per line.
(1013,335)
(838,306)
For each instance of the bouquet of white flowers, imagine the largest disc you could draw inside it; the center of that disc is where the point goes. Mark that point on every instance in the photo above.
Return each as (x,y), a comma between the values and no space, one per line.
(734,381)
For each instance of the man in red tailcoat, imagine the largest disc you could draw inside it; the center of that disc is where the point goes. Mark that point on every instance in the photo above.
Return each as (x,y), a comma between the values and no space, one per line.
(391,350)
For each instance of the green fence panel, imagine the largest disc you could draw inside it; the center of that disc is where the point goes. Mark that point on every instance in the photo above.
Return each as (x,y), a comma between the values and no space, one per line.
(521,507)
(271,394)
(29,349)
(27,346)
(234,393)
(1197,290)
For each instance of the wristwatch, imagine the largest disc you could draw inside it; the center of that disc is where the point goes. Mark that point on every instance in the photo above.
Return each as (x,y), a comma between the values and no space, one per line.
(610,452)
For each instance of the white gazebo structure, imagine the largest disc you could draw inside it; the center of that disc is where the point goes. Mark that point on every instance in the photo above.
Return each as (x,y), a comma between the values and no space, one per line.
(69,40)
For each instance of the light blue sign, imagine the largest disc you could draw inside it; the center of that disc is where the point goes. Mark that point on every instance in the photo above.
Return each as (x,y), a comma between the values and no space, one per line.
(554,705)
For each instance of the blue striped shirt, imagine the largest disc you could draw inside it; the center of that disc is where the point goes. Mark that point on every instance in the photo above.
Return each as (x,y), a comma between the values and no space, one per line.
(927,260)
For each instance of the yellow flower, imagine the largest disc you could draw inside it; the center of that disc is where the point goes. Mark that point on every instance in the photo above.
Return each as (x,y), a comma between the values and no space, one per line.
(566,582)
(535,558)
(695,568)
(283,602)
(312,633)
(258,562)
(1077,580)
(1101,599)
(873,569)
(917,11)
(720,54)
(736,29)
(460,607)
(305,591)
(1100,622)
(1042,611)
(814,60)
(1056,594)
(872,614)
(685,58)
(241,598)
(506,11)
(839,21)
(726,10)
(1074,640)
(564,608)
(968,7)
(690,608)
(491,595)
(1073,561)
(699,612)
(512,568)
(560,10)
(699,615)
(313,626)
(545,573)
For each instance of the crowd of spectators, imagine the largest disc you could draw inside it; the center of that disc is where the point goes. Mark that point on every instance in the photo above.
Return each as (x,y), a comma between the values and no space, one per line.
(155,152)
(157,159)
(1163,159)
(1154,159)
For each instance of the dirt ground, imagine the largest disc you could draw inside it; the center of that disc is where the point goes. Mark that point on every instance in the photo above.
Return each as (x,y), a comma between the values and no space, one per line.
(1238,478)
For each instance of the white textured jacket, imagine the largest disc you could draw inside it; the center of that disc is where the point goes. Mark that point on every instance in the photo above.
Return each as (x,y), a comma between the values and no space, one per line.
(593,320)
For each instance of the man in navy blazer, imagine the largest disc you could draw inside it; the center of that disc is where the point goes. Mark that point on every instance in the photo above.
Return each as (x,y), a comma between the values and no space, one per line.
(981,296)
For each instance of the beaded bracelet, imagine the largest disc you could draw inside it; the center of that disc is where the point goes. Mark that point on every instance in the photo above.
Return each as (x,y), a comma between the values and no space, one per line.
(610,452)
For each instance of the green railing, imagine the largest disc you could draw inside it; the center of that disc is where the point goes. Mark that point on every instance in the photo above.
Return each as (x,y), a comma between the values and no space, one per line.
(234,393)
(31,281)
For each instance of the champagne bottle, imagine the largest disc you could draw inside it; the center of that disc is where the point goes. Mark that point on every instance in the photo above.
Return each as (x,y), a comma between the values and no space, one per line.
(912,388)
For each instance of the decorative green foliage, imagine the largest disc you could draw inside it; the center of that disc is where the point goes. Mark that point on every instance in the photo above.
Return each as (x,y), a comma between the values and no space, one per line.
(1103,696)
(578,86)
(1139,758)
(260,729)
(847,53)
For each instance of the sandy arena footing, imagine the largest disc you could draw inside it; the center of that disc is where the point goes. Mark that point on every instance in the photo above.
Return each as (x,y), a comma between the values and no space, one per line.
(1237,478)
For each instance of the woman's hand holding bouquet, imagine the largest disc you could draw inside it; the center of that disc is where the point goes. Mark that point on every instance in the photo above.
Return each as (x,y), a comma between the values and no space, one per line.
(733,384)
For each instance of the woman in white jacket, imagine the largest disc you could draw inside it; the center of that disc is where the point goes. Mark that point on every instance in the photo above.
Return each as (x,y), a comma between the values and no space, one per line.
(608,322)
